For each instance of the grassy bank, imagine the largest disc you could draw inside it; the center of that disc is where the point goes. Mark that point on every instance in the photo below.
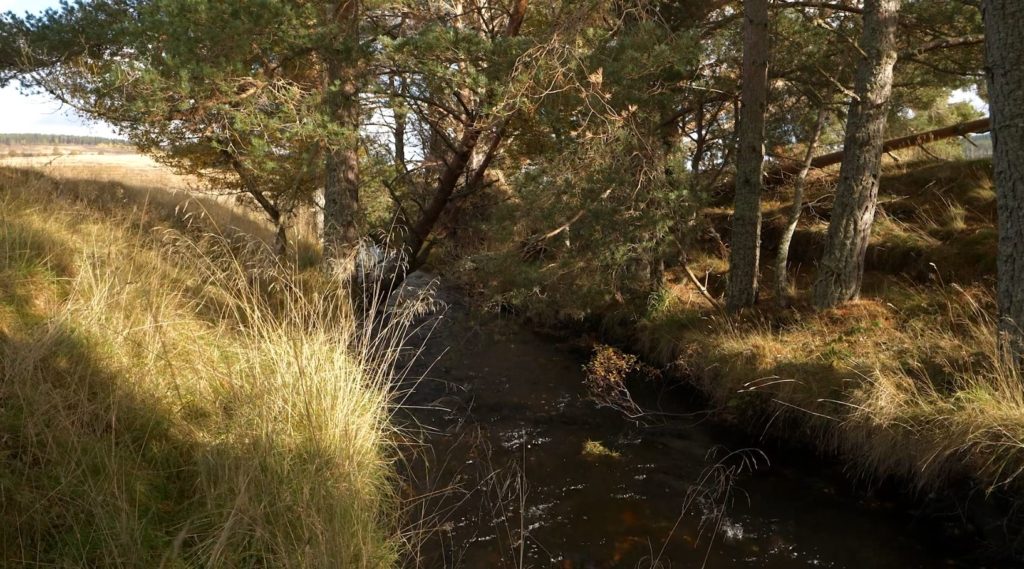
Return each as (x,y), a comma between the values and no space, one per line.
(173,398)
(907,382)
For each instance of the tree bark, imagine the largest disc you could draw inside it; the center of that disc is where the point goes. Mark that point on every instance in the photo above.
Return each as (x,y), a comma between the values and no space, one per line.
(341,167)
(1004,59)
(419,232)
(782,258)
(746,229)
(841,270)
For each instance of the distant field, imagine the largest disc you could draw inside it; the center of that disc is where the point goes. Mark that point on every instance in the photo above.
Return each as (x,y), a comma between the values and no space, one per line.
(22,149)
(102,163)
(125,167)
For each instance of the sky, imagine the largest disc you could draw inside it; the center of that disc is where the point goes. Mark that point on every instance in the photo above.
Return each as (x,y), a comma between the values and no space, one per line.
(971,96)
(39,113)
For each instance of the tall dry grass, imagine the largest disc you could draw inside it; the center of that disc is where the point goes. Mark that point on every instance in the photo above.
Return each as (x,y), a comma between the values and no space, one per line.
(912,383)
(953,403)
(174,398)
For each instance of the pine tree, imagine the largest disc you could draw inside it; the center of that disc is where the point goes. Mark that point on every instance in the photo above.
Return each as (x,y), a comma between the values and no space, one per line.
(1004,55)
(746,232)
(841,269)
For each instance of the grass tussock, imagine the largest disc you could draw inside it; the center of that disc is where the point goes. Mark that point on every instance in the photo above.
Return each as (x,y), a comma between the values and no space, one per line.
(171,398)
(910,383)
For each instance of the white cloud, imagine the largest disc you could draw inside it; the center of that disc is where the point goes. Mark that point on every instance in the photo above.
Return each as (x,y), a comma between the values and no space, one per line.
(42,114)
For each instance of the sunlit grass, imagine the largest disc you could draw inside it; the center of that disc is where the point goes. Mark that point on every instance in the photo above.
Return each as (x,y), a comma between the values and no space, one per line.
(177,398)
(911,383)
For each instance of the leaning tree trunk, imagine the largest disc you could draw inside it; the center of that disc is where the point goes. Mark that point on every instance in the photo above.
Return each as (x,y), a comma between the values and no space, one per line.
(891,145)
(1004,56)
(271,208)
(842,265)
(782,258)
(341,167)
(746,227)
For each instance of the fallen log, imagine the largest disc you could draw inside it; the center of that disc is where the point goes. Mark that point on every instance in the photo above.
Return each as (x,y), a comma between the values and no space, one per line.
(919,139)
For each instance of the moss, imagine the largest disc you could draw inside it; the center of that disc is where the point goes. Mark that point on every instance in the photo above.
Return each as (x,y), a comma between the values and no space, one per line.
(596,449)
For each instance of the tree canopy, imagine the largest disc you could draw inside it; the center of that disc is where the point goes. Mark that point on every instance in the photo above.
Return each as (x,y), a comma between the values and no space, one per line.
(544,142)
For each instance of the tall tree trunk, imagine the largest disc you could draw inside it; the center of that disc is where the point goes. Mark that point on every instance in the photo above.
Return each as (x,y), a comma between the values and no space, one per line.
(746,228)
(341,168)
(1004,57)
(841,270)
(782,258)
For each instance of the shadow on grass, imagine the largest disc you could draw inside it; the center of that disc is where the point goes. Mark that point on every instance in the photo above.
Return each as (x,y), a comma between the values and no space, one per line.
(93,472)
(107,464)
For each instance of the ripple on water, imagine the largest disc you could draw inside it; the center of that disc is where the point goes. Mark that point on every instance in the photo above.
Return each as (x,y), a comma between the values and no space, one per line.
(516,438)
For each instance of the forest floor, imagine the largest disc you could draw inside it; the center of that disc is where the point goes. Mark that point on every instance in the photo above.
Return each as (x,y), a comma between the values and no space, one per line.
(164,397)
(907,381)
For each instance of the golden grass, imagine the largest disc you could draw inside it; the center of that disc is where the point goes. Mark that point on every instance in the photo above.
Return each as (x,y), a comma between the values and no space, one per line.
(123,167)
(910,383)
(144,180)
(173,398)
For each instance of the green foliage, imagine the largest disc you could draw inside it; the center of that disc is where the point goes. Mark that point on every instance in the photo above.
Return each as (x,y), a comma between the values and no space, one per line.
(611,122)
(229,92)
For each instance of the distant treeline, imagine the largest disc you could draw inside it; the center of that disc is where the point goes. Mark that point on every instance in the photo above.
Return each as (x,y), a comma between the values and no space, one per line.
(57,139)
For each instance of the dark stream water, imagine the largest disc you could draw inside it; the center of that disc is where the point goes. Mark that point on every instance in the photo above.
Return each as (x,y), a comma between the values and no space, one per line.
(507,417)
